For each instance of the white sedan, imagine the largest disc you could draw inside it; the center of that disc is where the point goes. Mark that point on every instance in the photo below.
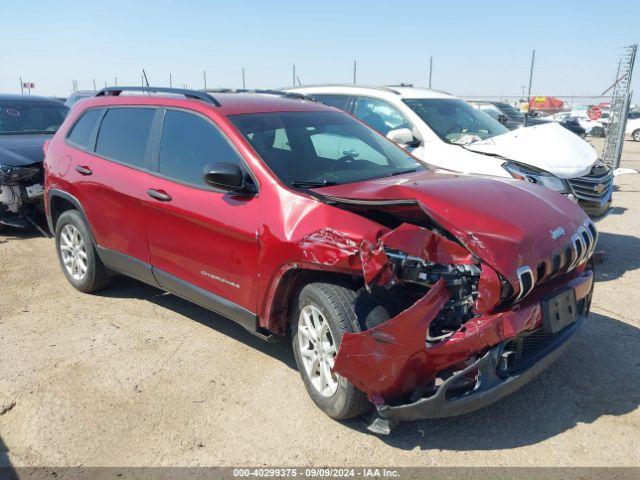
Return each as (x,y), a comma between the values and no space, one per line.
(633,129)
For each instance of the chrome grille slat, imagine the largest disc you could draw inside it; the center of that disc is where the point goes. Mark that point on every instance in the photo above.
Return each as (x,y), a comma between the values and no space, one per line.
(568,256)
(585,187)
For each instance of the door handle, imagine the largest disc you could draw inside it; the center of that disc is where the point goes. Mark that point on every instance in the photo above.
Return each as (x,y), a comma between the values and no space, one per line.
(159,195)
(83,170)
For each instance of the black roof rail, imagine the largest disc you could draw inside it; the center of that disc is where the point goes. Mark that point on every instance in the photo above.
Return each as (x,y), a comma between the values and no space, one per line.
(193,94)
(265,91)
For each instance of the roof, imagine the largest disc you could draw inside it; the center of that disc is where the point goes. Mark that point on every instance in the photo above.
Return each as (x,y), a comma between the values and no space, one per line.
(229,103)
(391,91)
(10,97)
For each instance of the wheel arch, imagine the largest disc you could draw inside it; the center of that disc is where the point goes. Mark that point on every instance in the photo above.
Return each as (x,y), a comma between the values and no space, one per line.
(280,298)
(60,202)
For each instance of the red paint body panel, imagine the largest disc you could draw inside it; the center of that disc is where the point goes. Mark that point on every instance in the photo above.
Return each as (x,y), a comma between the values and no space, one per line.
(192,238)
(499,221)
(423,243)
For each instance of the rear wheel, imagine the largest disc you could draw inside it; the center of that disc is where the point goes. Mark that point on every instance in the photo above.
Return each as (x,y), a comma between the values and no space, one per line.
(323,313)
(78,258)
(636,135)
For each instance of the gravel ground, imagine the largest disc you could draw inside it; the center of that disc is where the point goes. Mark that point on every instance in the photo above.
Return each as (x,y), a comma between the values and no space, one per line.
(136,377)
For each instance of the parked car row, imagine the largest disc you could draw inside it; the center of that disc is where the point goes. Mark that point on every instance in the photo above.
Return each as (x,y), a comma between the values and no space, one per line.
(404,289)
(513,118)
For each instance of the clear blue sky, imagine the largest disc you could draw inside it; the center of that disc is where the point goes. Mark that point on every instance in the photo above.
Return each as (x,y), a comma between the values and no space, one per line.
(478,47)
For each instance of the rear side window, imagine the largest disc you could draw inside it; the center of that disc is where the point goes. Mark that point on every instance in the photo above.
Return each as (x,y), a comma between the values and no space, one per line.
(189,143)
(124,133)
(82,131)
(337,101)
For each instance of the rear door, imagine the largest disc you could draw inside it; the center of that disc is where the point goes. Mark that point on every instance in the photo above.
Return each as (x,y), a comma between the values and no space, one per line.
(110,174)
(203,241)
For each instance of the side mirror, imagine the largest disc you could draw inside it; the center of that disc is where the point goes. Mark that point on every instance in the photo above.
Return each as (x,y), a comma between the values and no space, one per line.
(227,176)
(403,136)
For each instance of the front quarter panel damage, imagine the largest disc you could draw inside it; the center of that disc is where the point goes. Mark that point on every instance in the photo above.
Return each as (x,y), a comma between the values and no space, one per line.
(389,358)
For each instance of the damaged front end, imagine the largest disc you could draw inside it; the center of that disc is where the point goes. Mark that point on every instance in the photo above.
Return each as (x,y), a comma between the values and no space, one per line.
(21,192)
(462,338)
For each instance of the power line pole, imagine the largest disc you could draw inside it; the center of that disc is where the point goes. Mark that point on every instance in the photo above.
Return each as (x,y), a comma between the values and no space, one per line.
(94,84)
(355,71)
(533,59)
(204,76)
(170,82)
(21,87)
(430,70)
(115,81)
(293,77)
(244,84)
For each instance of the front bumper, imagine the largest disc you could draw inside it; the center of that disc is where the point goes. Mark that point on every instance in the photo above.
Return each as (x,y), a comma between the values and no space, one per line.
(20,202)
(406,378)
(489,388)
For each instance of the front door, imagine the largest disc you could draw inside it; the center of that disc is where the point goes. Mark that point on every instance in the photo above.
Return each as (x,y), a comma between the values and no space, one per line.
(203,241)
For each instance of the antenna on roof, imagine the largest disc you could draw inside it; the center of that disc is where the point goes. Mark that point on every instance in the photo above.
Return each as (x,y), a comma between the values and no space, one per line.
(144,75)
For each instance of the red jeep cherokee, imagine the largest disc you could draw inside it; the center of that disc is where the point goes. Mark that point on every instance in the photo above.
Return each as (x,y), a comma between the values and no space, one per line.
(427,294)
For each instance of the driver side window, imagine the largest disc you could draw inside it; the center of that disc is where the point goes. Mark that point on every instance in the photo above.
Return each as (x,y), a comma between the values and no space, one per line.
(188,144)
(380,115)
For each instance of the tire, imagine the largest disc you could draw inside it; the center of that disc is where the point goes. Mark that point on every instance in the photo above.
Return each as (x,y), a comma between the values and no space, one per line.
(336,305)
(74,242)
(635,135)
(597,132)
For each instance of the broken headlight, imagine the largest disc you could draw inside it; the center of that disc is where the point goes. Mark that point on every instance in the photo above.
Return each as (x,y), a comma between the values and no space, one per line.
(11,174)
(537,176)
(462,282)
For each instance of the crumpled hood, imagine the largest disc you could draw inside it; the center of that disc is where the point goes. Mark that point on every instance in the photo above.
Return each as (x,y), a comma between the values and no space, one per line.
(506,223)
(22,150)
(550,147)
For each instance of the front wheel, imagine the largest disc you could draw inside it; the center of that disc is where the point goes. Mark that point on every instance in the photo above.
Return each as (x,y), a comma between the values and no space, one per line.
(322,314)
(636,135)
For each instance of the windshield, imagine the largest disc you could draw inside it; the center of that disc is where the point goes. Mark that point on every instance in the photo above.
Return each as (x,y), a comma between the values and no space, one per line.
(314,149)
(454,120)
(30,117)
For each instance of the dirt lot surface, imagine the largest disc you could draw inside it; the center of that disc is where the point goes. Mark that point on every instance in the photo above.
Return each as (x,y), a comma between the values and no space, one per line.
(136,377)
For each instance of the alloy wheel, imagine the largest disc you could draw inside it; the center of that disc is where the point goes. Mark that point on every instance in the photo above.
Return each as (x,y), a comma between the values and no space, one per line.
(74,252)
(318,350)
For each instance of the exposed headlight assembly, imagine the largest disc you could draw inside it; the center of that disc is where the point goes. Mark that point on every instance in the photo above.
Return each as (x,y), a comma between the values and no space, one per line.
(534,175)
(11,174)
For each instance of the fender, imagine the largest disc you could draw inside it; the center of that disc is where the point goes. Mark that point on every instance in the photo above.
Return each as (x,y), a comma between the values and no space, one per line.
(54,192)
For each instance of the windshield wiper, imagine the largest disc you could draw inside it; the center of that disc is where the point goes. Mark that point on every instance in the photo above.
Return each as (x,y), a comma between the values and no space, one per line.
(311,184)
(402,172)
